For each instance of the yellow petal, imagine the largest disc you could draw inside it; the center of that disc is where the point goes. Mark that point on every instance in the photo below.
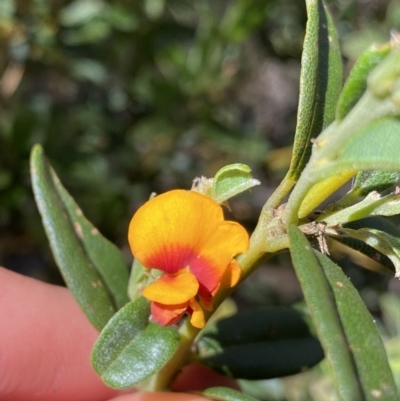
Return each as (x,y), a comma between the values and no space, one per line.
(172,228)
(172,290)
(230,238)
(231,275)
(197,319)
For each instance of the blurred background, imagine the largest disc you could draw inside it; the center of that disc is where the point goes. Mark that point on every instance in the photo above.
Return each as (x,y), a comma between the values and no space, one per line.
(133,97)
(130,98)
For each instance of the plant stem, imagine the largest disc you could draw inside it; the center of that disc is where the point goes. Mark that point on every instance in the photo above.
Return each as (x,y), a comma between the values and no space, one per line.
(279,194)
(163,378)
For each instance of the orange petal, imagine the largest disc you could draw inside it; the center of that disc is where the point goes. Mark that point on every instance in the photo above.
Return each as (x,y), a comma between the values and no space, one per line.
(232,275)
(172,228)
(172,290)
(197,319)
(229,240)
(166,315)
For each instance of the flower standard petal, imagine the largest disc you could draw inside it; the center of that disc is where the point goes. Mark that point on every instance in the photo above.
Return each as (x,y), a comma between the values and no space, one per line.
(172,290)
(171,228)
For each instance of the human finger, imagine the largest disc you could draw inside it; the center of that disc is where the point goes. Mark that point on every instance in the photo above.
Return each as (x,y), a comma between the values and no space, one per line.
(196,376)
(159,396)
(45,344)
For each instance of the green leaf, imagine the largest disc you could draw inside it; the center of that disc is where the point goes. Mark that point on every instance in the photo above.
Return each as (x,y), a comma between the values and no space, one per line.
(266,359)
(373,205)
(231,180)
(255,344)
(375,222)
(365,343)
(129,349)
(339,314)
(381,241)
(366,250)
(375,147)
(319,298)
(78,270)
(356,83)
(226,394)
(105,256)
(266,324)
(128,323)
(368,181)
(320,83)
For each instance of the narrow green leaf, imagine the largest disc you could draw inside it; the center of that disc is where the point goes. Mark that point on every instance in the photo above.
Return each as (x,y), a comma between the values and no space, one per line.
(356,83)
(266,324)
(232,180)
(320,83)
(266,359)
(84,281)
(226,394)
(375,222)
(366,250)
(319,298)
(105,256)
(362,335)
(373,205)
(368,181)
(129,349)
(381,241)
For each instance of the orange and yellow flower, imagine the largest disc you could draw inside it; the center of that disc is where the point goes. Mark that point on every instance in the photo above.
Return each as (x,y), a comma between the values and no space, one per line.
(184,234)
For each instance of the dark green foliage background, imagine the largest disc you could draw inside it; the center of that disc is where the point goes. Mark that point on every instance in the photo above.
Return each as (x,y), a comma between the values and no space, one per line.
(131,97)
